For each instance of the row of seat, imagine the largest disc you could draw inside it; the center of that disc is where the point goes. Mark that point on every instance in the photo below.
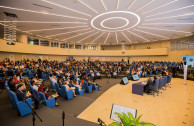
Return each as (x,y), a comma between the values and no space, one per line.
(161,84)
(20,106)
(64,92)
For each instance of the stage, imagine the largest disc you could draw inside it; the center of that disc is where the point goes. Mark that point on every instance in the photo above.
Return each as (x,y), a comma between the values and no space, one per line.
(174,107)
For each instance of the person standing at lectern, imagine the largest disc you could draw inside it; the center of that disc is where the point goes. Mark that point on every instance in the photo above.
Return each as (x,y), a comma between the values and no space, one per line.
(185,70)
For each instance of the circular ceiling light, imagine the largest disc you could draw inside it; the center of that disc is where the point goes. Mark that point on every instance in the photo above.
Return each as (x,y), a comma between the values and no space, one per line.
(111,15)
(126,22)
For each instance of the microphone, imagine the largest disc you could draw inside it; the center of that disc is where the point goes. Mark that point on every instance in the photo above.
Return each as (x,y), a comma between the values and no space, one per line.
(101,122)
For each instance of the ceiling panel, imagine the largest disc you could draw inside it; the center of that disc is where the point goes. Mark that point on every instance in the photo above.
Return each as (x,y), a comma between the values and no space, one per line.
(108,22)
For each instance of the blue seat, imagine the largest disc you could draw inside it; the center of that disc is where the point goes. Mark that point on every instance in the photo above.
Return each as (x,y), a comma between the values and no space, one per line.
(66,93)
(87,87)
(52,84)
(59,90)
(22,106)
(95,87)
(48,102)
(79,92)
(146,74)
(165,80)
(169,80)
(155,87)
(32,90)
(11,99)
(36,93)
(161,83)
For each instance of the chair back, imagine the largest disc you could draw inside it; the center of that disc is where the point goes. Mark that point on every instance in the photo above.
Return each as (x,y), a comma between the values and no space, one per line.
(42,96)
(15,100)
(169,78)
(165,79)
(58,88)
(37,93)
(161,83)
(156,84)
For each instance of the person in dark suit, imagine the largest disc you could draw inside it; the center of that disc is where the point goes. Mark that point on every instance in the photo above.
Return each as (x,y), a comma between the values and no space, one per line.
(150,82)
(22,95)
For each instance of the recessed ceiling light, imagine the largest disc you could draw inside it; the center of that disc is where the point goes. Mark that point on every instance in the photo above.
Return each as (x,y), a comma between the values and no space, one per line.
(169,11)
(106,38)
(167,23)
(103,4)
(184,19)
(151,33)
(59,5)
(159,6)
(42,6)
(88,36)
(114,12)
(169,17)
(57,28)
(164,29)
(68,32)
(97,38)
(43,13)
(144,5)
(46,22)
(126,37)
(131,4)
(138,36)
(87,6)
(78,35)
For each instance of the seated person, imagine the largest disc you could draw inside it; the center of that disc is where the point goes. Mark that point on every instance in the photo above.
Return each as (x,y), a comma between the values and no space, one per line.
(40,88)
(22,95)
(45,91)
(15,79)
(98,75)
(115,74)
(69,88)
(150,82)
(53,79)
(35,85)
(163,73)
(78,85)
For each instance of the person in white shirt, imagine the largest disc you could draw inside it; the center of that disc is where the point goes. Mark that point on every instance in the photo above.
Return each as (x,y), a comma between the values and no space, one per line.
(69,88)
(34,85)
(115,74)
(53,79)
(98,75)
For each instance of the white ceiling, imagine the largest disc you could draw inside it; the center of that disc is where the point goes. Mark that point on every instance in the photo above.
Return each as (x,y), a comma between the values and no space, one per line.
(104,22)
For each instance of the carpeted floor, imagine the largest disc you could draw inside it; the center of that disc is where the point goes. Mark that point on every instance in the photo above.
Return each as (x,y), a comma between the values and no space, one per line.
(53,116)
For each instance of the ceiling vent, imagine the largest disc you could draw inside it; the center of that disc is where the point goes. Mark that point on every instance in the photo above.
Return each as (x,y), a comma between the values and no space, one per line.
(169,26)
(10,15)
(55,25)
(184,18)
(42,6)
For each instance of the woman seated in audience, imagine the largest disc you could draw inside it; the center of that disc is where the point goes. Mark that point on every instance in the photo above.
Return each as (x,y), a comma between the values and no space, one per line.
(35,85)
(59,81)
(15,79)
(127,71)
(98,75)
(40,88)
(78,85)
(70,88)
(45,91)
(115,74)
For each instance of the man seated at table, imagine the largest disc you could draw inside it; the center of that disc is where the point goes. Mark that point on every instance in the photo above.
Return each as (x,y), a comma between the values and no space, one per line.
(150,82)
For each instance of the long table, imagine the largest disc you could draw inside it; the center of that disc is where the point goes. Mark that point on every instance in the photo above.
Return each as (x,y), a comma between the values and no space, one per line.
(138,88)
